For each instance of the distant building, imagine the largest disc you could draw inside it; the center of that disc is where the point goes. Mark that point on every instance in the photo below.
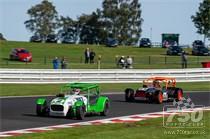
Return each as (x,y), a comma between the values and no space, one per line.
(170,39)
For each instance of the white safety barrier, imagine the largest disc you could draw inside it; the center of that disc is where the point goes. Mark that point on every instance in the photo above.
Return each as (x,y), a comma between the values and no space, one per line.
(45,76)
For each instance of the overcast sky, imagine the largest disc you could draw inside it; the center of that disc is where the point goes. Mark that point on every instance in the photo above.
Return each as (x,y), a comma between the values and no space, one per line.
(160,16)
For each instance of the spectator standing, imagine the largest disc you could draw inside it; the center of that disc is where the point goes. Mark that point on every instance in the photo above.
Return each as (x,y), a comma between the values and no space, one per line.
(121,62)
(63,63)
(184,59)
(92,56)
(87,55)
(55,63)
(129,62)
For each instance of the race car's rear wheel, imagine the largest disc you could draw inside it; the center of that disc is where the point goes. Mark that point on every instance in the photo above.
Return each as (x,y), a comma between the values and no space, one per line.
(80,112)
(129,95)
(42,110)
(159,97)
(106,109)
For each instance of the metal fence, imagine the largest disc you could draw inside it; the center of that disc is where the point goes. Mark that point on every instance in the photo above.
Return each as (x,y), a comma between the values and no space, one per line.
(138,60)
(45,76)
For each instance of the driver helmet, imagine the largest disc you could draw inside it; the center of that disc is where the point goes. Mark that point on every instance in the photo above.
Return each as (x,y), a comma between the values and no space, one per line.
(155,81)
(76,91)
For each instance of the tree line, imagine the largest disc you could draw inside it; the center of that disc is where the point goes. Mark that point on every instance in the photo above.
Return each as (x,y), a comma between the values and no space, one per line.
(201,19)
(2,37)
(119,19)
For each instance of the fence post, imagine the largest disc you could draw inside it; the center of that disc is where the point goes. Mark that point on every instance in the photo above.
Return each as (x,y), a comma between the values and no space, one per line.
(99,61)
(116,58)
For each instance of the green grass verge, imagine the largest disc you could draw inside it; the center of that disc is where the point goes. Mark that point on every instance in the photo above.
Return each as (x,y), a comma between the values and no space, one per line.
(52,89)
(149,129)
(43,53)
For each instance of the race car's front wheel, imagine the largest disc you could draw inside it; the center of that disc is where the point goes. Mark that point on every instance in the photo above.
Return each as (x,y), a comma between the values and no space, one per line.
(106,109)
(70,113)
(129,95)
(80,112)
(159,97)
(42,110)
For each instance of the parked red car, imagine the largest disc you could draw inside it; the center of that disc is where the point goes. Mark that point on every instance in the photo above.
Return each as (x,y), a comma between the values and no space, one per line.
(21,54)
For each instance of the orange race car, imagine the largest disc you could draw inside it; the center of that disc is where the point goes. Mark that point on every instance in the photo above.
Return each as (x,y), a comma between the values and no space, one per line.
(156,89)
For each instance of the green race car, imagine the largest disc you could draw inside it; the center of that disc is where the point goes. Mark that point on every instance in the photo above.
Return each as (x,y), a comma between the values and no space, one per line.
(75,101)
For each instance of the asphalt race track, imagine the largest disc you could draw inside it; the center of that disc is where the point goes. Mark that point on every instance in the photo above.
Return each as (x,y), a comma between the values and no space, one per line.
(19,113)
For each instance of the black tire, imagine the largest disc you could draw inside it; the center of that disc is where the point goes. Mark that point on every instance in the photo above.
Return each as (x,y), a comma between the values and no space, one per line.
(42,110)
(177,95)
(129,95)
(10,57)
(80,112)
(159,97)
(106,109)
(70,113)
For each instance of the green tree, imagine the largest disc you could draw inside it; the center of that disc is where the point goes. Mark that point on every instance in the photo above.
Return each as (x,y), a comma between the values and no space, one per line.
(123,20)
(92,28)
(67,29)
(2,37)
(43,19)
(111,14)
(134,22)
(202,19)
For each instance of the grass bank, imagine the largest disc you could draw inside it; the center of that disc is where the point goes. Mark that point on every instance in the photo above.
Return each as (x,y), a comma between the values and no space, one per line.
(52,89)
(144,58)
